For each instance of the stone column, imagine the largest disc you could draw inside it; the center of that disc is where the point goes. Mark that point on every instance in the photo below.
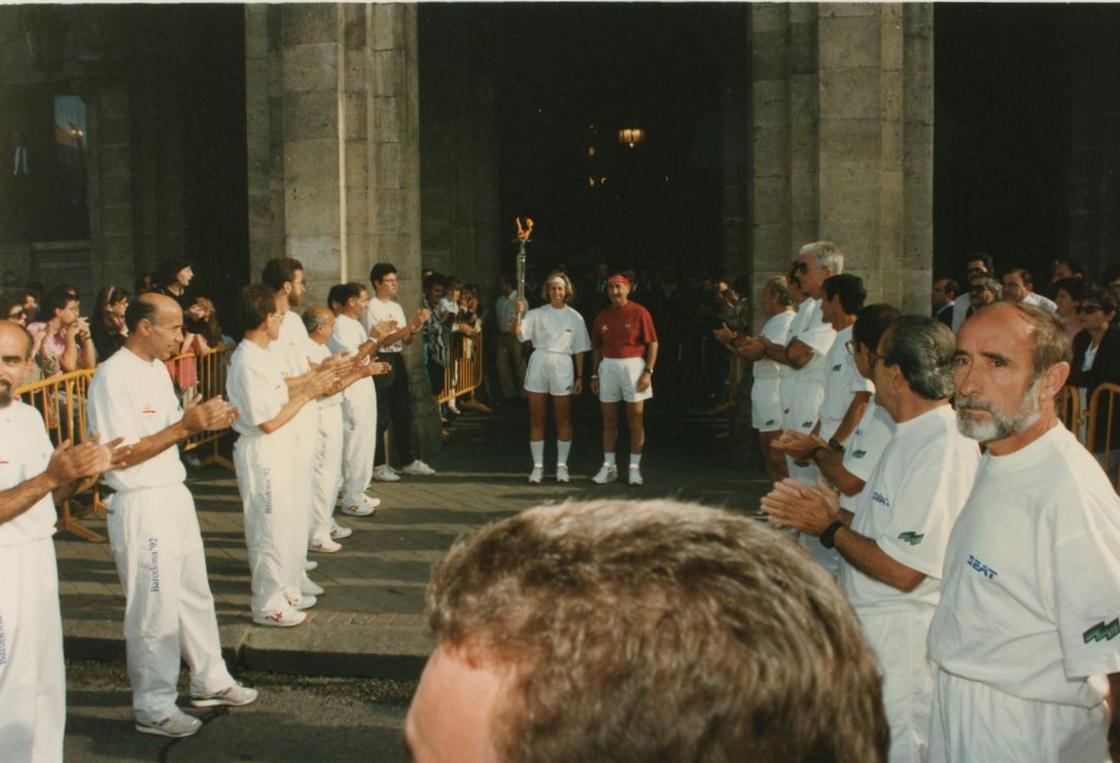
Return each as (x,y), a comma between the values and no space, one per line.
(842,140)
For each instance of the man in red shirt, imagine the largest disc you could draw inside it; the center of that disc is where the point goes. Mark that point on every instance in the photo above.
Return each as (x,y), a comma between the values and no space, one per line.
(624,352)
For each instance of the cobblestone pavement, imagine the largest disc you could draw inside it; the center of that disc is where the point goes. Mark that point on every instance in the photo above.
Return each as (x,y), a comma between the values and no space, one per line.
(370,621)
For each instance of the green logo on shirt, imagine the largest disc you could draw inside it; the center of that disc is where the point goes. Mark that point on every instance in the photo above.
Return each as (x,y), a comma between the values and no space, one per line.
(859,453)
(837,367)
(769,422)
(1103,632)
(911,537)
(806,424)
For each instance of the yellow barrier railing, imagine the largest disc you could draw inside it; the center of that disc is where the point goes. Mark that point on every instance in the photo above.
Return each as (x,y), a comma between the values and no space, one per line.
(1069,410)
(463,373)
(63,401)
(1104,406)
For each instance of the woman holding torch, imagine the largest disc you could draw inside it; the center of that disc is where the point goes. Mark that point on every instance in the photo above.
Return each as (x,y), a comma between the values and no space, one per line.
(559,337)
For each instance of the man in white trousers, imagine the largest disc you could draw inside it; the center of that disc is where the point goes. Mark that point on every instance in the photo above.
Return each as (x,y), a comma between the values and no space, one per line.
(1027,636)
(893,545)
(153,527)
(32,475)
(265,458)
(325,532)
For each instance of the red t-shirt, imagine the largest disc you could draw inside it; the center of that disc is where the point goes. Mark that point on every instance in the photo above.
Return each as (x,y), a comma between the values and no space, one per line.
(623,332)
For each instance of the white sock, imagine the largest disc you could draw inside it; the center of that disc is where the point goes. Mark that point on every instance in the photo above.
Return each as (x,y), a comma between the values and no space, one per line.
(562,450)
(608,459)
(635,460)
(537,449)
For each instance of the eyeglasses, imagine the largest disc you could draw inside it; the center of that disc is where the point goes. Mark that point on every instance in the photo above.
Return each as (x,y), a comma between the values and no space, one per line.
(1088,309)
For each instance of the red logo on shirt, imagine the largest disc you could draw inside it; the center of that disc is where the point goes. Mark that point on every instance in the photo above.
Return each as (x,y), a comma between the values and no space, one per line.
(147,409)
(3,461)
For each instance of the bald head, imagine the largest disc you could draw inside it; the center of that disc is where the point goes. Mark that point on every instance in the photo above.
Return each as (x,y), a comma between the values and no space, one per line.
(14,336)
(155,326)
(319,322)
(150,307)
(15,359)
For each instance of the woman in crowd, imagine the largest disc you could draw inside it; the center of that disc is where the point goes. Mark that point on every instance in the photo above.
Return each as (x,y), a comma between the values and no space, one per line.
(1067,296)
(559,337)
(107,327)
(1096,361)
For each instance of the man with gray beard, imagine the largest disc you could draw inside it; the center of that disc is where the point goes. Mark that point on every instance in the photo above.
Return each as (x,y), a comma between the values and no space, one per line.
(1027,635)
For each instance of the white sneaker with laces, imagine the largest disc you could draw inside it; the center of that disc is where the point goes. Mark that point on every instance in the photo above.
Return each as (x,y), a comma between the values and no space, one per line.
(562,473)
(235,696)
(635,475)
(328,546)
(306,601)
(308,587)
(309,564)
(418,469)
(607,473)
(278,619)
(338,532)
(384,473)
(536,474)
(176,725)
(358,510)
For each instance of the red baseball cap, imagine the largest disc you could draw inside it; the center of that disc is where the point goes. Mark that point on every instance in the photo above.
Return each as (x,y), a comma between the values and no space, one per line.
(619,278)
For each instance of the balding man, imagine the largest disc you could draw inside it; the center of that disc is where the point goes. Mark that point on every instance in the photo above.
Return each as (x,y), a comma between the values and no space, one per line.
(153,528)
(1027,635)
(32,475)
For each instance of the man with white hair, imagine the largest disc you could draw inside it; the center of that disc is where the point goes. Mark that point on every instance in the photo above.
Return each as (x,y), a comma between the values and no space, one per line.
(1027,635)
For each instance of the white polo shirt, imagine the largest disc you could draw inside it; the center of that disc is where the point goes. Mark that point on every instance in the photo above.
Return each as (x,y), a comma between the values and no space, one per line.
(776,329)
(348,336)
(133,398)
(909,506)
(384,310)
(25,451)
(1032,577)
(555,330)
(842,381)
(255,386)
(865,447)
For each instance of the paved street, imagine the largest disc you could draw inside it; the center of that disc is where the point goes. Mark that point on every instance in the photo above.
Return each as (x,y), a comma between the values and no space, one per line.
(333,679)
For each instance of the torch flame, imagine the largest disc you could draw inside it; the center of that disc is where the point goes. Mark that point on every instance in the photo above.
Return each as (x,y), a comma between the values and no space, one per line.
(523,233)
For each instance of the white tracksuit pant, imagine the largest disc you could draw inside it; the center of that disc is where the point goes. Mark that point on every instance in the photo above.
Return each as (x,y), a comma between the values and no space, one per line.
(169,611)
(328,473)
(32,674)
(274,531)
(306,426)
(359,413)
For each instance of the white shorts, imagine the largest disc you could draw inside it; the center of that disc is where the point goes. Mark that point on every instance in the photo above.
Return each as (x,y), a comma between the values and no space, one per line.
(618,380)
(549,373)
(766,405)
(974,722)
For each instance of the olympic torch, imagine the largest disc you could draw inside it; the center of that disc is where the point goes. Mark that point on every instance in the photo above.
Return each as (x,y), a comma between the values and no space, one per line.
(523,234)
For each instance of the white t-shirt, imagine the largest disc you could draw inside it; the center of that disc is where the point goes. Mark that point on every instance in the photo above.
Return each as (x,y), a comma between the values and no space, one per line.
(776,329)
(255,386)
(291,346)
(133,398)
(347,337)
(909,506)
(386,310)
(25,451)
(1032,577)
(865,448)
(318,353)
(552,330)
(842,381)
(808,381)
(801,319)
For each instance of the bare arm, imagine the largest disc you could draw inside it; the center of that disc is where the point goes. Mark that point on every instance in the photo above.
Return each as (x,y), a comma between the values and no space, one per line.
(66,465)
(68,360)
(865,555)
(213,415)
(852,416)
(831,463)
(316,384)
(795,355)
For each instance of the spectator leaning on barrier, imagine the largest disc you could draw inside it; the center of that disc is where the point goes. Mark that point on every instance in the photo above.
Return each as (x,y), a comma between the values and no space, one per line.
(65,343)
(645,632)
(153,527)
(1026,633)
(33,475)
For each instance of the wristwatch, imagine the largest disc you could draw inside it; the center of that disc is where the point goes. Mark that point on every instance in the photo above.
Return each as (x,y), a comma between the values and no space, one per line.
(828,537)
(835,445)
(647,370)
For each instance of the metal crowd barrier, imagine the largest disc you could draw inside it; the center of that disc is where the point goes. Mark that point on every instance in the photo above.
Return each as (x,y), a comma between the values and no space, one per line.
(1069,410)
(1105,445)
(463,373)
(62,401)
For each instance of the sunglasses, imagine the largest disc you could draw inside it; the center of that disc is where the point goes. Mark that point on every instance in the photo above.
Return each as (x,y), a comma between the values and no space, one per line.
(1088,309)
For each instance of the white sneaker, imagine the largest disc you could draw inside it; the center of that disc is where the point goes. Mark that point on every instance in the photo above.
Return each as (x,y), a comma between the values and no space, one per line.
(308,587)
(373,503)
(176,725)
(338,532)
(306,601)
(235,696)
(607,473)
(418,469)
(635,475)
(384,473)
(562,473)
(279,619)
(358,510)
(535,475)
(326,547)
(309,564)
